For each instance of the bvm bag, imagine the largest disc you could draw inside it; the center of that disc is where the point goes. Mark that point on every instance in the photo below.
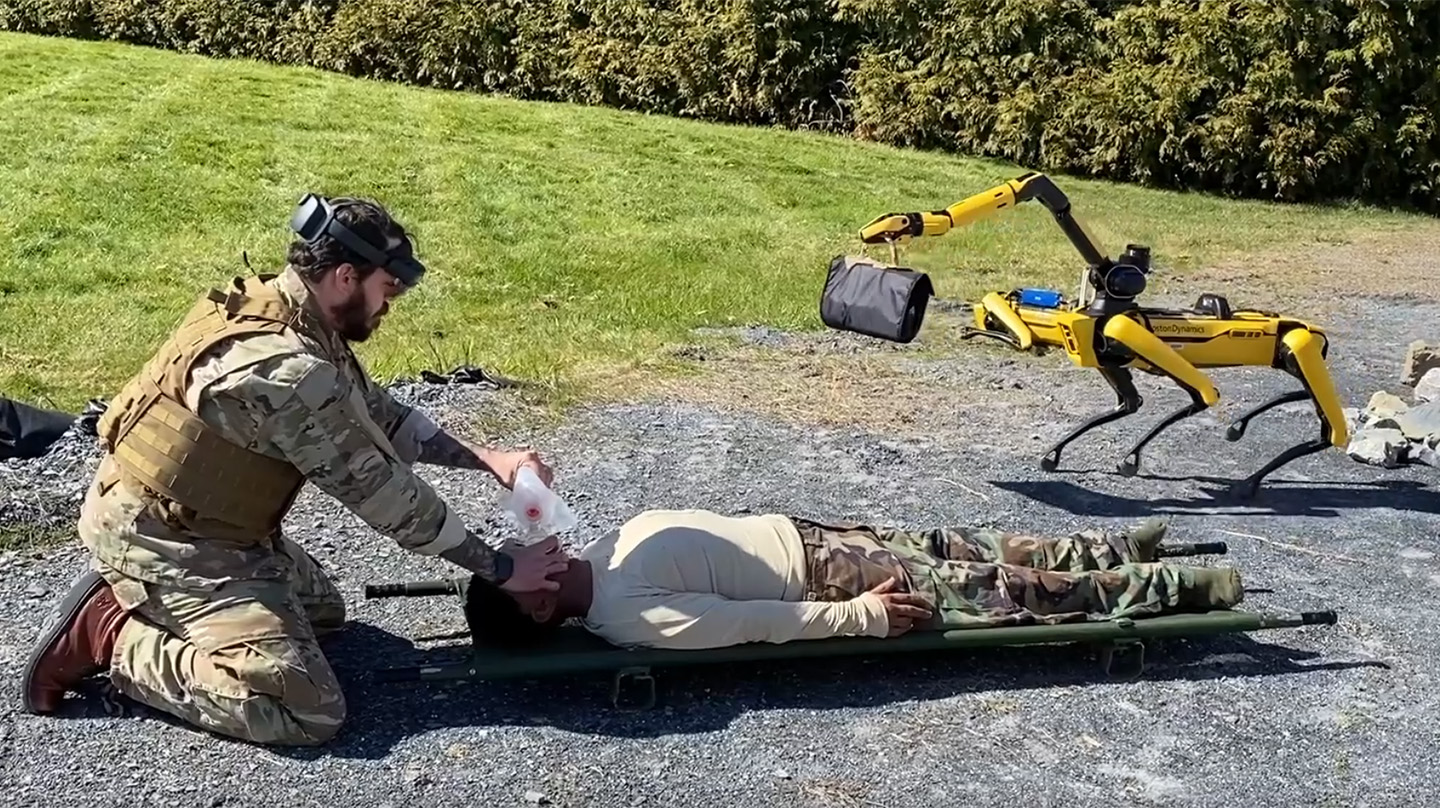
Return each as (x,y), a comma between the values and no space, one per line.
(873,299)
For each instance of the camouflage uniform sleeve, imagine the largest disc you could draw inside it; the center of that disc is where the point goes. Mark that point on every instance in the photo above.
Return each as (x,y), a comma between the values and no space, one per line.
(406,426)
(308,412)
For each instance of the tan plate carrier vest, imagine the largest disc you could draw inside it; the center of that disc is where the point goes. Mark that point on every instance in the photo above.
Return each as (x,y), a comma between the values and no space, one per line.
(164,449)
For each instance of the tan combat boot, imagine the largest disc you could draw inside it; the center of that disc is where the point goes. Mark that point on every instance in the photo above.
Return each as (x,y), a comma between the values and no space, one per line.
(1143,540)
(77,643)
(1210,588)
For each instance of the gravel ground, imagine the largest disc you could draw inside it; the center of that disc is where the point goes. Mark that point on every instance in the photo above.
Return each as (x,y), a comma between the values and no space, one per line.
(1329,716)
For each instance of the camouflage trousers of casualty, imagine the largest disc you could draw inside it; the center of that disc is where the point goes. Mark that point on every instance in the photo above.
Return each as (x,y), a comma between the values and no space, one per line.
(982,577)
(241,660)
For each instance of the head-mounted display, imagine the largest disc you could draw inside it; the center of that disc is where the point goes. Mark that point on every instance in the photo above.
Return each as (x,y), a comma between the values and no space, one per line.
(315,217)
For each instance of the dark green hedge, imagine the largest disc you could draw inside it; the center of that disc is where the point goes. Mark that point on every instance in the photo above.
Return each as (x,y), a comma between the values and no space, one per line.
(1287,99)
(1291,99)
(776,62)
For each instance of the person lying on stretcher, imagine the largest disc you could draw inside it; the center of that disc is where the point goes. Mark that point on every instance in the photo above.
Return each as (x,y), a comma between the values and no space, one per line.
(690,579)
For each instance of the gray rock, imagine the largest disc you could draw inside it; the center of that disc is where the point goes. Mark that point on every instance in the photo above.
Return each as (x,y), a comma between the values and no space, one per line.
(1383,405)
(1420,358)
(536,798)
(1421,453)
(1420,423)
(1379,447)
(1428,388)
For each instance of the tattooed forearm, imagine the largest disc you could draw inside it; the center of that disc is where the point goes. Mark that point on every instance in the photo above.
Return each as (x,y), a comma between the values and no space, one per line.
(445,449)
(480,558)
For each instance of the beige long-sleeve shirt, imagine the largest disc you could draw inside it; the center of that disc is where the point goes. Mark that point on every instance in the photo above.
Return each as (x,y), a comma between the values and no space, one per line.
(697,579)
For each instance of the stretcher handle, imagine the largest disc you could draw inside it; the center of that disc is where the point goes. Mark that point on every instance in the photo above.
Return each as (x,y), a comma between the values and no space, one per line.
(415,589)
(1196,548)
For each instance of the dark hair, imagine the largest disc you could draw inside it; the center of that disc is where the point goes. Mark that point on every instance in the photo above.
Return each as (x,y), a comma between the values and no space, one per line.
(495,618)
(367,218)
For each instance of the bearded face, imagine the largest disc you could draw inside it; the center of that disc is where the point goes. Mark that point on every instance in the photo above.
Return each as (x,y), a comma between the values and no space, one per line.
(357,318)
(358,315)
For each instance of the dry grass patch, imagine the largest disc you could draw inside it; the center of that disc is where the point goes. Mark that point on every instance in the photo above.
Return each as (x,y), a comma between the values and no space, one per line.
(1314,279)
(828,379)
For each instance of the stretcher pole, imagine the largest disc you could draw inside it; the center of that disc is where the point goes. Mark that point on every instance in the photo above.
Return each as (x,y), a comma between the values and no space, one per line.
(417,589)
(576,651)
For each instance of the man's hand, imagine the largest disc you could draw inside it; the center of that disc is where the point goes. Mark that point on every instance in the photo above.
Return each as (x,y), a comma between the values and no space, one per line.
(535,564)
(525,568)
(902,608)
(505,465)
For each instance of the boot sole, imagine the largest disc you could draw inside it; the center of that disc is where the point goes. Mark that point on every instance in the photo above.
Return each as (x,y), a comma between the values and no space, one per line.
(60,619)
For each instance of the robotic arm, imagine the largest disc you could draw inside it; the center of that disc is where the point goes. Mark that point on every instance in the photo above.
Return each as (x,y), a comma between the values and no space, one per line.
(901,227)
(1117,282)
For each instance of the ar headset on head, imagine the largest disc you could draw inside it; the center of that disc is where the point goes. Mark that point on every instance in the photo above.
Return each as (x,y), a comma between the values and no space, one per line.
(315,217)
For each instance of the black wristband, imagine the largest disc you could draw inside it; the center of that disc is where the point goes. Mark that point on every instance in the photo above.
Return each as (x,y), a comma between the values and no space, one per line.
(504,568)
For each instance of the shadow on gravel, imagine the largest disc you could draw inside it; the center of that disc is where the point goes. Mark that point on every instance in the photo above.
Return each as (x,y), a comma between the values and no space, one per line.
(699,700)
(1276,498)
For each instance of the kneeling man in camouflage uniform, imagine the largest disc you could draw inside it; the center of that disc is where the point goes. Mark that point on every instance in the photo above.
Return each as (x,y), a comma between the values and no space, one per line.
(197,605)
(692,579)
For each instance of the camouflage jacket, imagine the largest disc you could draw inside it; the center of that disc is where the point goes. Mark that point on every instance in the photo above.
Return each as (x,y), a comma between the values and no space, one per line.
(302,397)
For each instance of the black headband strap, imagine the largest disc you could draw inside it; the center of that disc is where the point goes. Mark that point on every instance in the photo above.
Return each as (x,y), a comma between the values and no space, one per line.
(314,217)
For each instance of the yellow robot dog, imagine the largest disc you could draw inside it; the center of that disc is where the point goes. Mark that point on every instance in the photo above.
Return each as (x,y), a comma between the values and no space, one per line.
(1111,332)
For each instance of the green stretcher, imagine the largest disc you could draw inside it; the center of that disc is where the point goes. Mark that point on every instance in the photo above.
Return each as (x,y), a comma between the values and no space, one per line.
(576,651)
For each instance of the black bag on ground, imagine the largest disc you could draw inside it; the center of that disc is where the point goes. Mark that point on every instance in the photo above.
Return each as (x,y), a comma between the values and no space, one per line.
(26,431)
(873,299)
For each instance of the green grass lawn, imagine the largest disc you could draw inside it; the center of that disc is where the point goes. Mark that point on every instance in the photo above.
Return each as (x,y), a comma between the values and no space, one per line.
(564,242)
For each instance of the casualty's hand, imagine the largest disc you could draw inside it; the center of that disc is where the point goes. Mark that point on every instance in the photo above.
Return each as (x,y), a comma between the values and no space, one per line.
(903,608)
(534,565)
(505,465)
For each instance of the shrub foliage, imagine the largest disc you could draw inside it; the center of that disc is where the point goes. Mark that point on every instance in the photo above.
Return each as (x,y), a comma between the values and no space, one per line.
(1297,100)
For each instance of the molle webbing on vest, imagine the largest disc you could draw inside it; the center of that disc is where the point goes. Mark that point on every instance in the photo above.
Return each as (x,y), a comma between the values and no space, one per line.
(160,444)
(176,455)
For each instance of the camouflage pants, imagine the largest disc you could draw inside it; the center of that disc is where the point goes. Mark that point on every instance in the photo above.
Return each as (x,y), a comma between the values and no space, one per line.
(978,577)
(241,660)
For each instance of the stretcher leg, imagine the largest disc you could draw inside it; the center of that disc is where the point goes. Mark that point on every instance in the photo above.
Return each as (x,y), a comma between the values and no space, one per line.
(1123,649)
(639,675)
